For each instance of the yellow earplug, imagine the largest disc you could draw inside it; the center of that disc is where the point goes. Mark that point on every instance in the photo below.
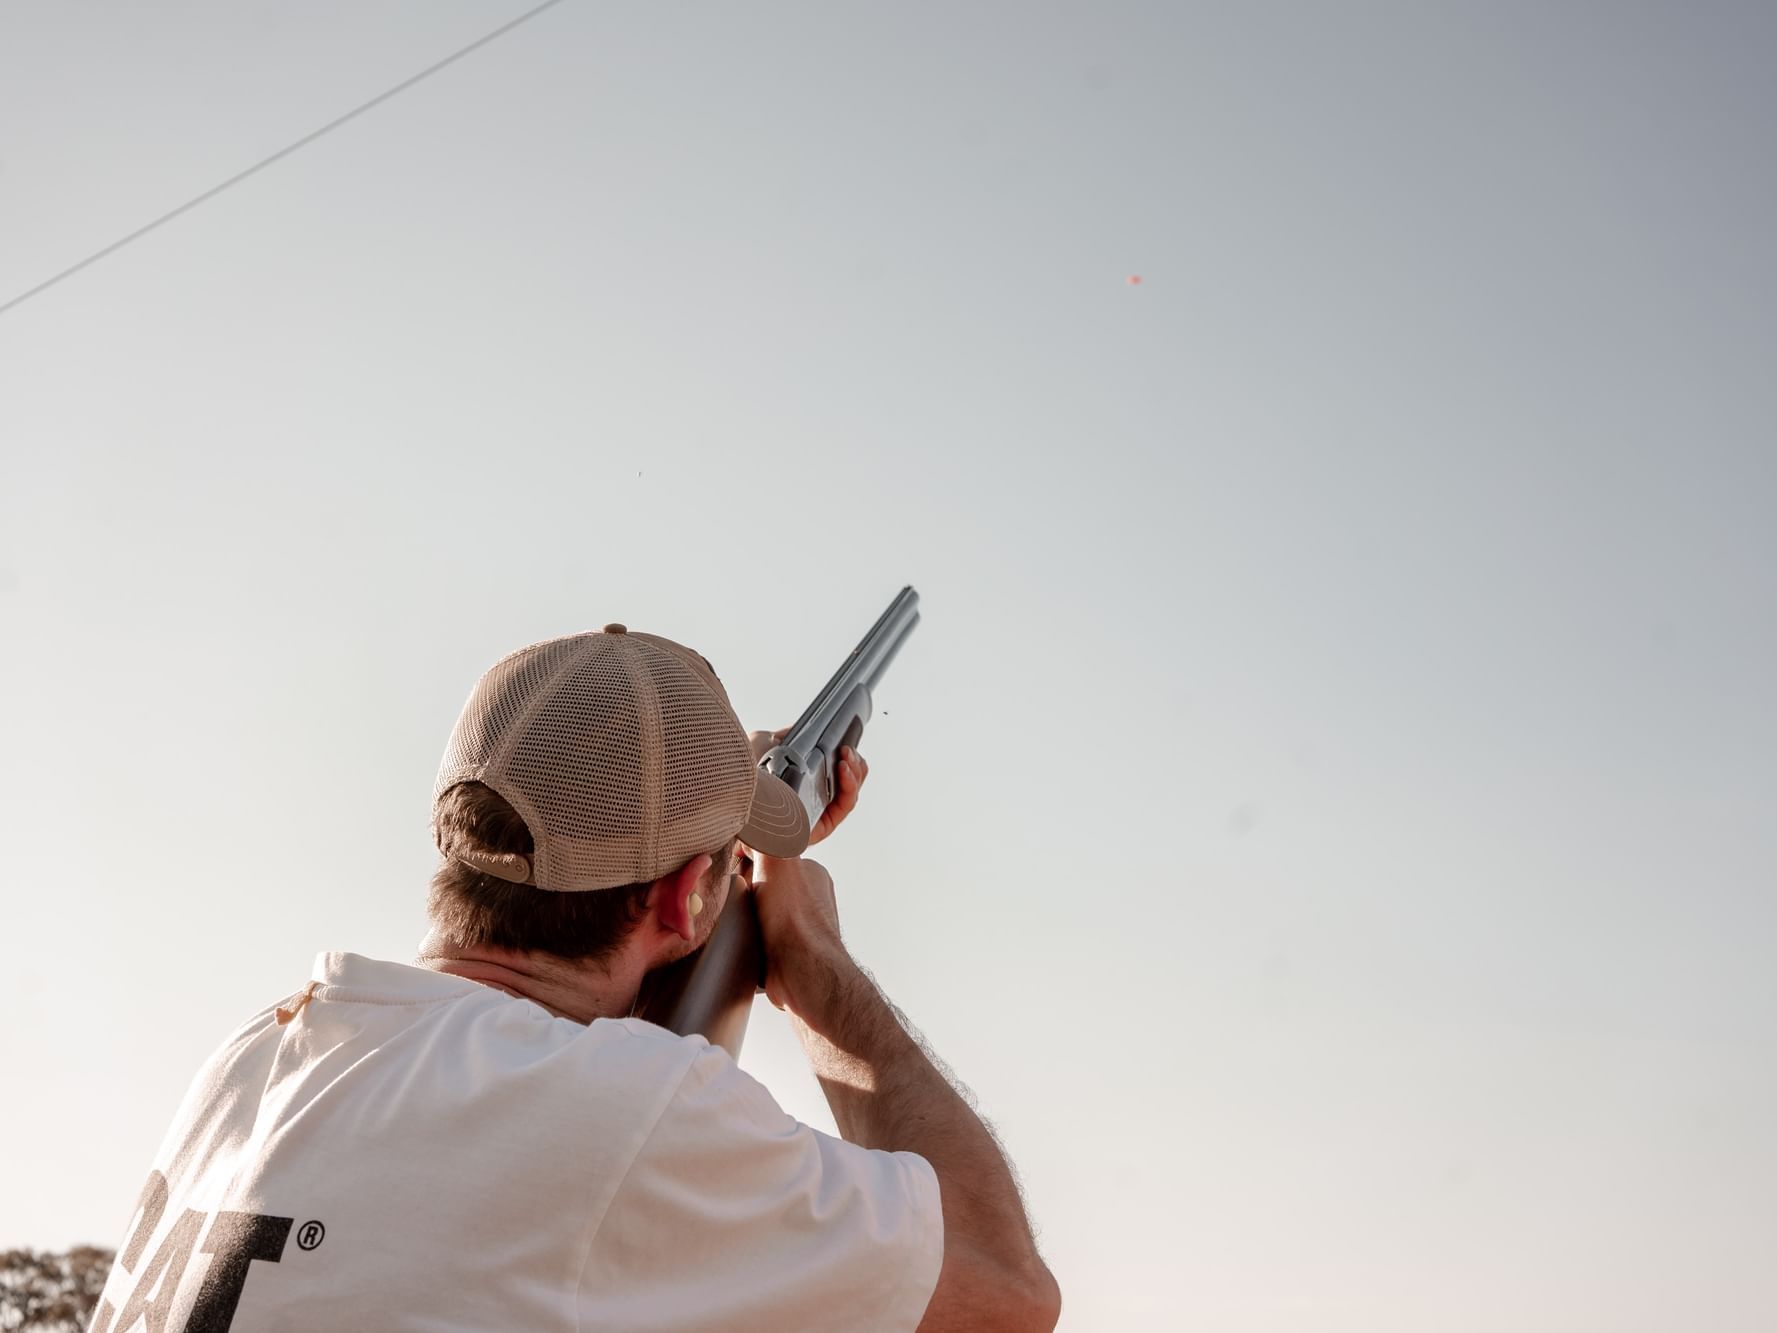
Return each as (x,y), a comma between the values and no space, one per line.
(696,904)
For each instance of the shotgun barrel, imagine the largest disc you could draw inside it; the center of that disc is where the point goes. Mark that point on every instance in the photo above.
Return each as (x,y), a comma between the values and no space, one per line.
(807,759)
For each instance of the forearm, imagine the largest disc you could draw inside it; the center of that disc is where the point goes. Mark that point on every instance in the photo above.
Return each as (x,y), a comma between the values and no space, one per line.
(886,1093)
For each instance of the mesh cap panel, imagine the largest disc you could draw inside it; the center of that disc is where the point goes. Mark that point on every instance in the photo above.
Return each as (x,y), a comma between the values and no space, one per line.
(620,752)
(502,698)
(705,751)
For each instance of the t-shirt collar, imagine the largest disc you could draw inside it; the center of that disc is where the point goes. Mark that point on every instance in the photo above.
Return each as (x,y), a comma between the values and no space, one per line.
(353,976)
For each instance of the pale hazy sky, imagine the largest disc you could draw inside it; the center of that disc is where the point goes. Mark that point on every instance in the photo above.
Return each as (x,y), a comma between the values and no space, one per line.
(1327,810)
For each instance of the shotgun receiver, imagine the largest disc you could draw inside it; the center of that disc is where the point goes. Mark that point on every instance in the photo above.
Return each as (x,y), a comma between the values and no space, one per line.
(710,992)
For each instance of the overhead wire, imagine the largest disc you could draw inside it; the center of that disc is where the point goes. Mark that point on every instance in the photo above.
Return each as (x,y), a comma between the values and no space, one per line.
(282,153)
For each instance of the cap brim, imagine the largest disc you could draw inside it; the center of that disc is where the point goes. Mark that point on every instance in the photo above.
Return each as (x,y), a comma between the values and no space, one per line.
(777,824)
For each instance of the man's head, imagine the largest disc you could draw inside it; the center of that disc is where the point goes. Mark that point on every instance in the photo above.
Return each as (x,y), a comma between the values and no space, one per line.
(595,783)
(478,911)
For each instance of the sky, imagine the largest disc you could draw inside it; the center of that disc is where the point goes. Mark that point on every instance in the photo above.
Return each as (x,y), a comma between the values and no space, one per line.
(1325,813)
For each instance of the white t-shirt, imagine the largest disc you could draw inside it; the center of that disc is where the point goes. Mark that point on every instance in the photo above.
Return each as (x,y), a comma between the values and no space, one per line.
(419,1151)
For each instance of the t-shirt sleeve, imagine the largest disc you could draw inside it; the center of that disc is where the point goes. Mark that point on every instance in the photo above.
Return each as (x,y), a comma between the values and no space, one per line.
(734,1215)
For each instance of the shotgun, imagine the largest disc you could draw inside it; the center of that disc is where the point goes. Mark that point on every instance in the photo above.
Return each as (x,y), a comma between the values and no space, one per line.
(710,991)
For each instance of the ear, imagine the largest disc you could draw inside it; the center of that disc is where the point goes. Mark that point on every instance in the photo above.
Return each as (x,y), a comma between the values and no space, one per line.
(671,897)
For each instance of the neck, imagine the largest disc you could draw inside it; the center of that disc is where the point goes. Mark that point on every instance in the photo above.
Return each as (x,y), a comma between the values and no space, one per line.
(581,991)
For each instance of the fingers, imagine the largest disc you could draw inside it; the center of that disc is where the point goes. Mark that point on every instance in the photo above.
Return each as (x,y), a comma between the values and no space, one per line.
(849,775)
(852,772)
(851,778)
(853,766)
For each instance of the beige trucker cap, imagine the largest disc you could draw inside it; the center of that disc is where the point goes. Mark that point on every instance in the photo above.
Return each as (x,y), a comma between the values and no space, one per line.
(623,756)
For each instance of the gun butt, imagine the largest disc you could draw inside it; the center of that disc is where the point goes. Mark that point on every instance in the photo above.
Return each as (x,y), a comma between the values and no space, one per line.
(710,991)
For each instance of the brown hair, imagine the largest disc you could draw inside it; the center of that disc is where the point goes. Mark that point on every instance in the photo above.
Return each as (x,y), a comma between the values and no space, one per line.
(478,910)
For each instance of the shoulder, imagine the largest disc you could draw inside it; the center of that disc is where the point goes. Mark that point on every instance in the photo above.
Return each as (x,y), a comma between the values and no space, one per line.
(724,1130)
(735,1215)
(622,1059)
(634,1041)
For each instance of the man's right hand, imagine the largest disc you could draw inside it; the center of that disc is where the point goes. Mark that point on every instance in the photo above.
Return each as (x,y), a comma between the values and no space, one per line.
(805,959)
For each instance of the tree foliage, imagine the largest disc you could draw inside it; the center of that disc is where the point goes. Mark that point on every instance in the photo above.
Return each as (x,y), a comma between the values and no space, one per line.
(51,1293)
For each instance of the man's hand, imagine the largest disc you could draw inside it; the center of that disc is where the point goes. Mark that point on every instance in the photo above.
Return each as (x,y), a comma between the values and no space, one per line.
(799,918)
(852,772)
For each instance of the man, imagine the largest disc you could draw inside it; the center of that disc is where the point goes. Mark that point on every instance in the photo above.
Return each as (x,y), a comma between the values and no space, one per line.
(485,1141)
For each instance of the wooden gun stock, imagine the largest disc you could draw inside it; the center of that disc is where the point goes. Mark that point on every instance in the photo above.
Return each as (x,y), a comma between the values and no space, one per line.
(711,991)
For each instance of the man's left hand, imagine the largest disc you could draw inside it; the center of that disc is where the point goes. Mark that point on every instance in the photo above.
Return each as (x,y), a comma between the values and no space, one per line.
(852,772)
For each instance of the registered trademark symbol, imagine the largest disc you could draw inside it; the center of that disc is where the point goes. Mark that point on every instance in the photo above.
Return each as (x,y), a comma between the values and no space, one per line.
(311,1235)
